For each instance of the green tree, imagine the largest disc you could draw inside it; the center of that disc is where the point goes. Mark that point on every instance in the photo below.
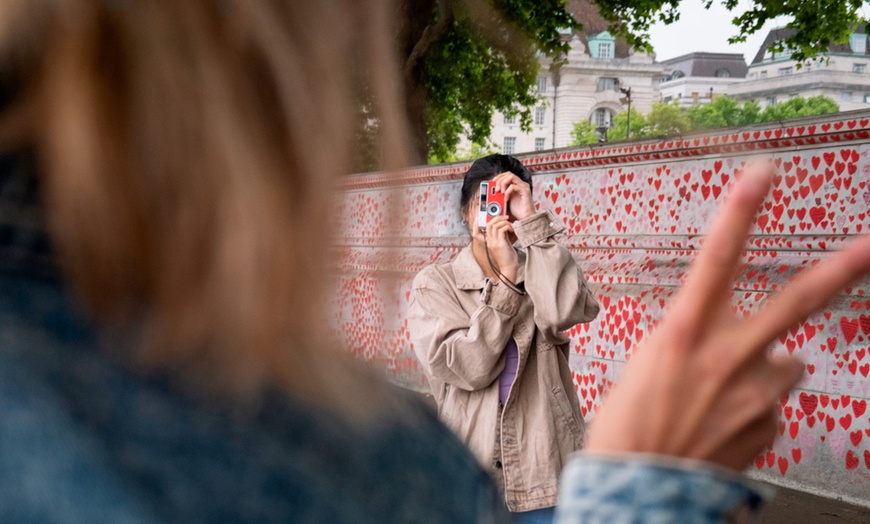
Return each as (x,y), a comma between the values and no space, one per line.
(464,60)
(723,111)
(666,119)
(750,113)
(669,119)
(472,152)
(798,107)
(816,25)
(584,133)
(639,126)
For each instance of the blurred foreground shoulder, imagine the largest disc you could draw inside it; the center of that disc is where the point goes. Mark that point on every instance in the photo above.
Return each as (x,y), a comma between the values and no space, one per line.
(599,488)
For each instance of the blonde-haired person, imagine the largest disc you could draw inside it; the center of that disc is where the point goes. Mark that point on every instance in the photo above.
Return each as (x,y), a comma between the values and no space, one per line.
(165,165)
(160,360)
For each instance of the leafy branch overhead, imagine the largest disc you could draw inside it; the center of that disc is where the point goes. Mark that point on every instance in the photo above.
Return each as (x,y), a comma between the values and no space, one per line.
(463,60)
(816,25)
(466,59)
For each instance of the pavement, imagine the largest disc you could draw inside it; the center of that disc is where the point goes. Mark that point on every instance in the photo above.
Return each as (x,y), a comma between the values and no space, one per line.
(796,507)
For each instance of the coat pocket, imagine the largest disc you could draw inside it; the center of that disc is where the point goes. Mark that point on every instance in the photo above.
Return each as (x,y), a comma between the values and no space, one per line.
(570,420)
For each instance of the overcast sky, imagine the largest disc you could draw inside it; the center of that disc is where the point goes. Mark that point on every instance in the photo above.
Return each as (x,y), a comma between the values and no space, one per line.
(706,30)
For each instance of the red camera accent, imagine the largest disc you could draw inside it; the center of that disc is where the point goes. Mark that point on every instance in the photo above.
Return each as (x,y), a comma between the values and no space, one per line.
(492,204)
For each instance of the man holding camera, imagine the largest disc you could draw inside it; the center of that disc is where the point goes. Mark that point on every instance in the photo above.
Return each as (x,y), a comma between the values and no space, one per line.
(488,328)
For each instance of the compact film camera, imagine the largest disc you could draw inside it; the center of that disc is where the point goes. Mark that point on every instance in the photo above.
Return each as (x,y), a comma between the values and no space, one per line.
(492,204)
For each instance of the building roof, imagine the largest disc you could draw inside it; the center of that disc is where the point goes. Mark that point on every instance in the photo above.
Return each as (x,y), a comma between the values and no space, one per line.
(587,14)
(701,64)
(785,32)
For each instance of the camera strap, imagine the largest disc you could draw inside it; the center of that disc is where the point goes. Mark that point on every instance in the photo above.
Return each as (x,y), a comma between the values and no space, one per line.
(504,280)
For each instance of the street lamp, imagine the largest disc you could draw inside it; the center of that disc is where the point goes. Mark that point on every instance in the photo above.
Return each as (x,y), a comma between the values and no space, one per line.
(627,100)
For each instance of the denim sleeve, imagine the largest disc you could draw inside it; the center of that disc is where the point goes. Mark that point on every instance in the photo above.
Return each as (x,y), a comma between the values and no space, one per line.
(639,488)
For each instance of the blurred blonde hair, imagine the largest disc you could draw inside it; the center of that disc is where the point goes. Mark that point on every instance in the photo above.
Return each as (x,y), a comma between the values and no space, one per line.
(188,151)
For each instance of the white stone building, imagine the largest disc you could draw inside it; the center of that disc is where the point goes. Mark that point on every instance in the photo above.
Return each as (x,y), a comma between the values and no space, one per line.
(586,87)
(844,75)
(698,78)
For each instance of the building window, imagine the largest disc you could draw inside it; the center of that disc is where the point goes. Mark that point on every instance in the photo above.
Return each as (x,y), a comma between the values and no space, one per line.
(510,119)
(723,73)
(846,97)
(542,84)
(605,50)
(771,100)
(866,98)
(668,99)
(785,71)
(539,144)
(763,74)
(808,67)
(753,76)
(608,84)
(858,43)
(540,115)
(602,117)
(510,145)
(858,68)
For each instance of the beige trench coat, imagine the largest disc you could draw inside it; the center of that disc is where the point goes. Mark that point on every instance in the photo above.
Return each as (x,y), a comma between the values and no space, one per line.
(460,323)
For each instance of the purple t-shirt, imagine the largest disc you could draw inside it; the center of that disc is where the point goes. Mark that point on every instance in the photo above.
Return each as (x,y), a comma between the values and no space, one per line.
(509,372)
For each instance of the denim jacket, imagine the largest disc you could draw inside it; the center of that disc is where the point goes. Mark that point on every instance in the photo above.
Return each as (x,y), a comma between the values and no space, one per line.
(638,488)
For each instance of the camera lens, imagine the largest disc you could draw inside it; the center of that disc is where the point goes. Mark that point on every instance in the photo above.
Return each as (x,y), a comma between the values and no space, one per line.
(493,209)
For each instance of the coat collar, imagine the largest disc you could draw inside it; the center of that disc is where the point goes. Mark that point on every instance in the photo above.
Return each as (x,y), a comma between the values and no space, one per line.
(468,274)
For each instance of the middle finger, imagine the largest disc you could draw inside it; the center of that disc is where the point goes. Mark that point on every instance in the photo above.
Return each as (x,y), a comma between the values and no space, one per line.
(810,291)
(711,275)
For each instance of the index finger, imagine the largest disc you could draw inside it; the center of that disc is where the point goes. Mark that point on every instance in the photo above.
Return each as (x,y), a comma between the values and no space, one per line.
(809,292)
(711,276)
(503,180)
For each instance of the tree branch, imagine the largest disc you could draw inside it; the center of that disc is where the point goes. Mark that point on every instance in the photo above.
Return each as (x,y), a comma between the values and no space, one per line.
(431,35)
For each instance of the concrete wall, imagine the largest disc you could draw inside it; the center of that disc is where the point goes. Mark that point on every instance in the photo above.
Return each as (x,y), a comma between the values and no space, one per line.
(635,215)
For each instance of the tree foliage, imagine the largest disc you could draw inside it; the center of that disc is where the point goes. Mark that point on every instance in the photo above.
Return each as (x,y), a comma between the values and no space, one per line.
(584,133)
(619,130)
(670,120)
(799,107)
(465,60)
(816,25)
(723,111)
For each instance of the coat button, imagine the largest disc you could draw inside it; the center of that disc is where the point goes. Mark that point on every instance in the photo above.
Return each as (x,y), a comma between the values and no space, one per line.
(498,464)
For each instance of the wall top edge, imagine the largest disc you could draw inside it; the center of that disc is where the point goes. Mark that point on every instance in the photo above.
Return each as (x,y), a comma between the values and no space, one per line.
(818,131)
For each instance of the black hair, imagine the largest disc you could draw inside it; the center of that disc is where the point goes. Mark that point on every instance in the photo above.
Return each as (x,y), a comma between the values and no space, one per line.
(485,168)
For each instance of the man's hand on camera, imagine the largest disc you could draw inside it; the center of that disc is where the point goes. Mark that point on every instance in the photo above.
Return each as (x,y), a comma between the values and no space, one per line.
(501,249)
(517,193)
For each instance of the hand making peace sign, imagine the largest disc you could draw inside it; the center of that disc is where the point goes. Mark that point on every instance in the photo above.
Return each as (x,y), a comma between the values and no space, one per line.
(704,384)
